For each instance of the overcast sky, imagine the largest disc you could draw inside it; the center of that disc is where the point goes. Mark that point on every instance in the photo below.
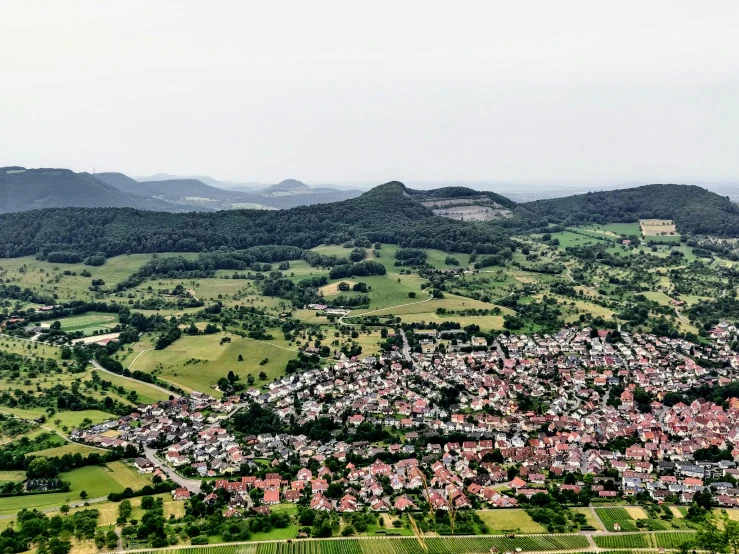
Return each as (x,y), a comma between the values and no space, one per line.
(369,92)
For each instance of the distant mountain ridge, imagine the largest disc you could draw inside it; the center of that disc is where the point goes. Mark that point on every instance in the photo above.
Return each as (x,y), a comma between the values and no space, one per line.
(24,189)
(194,192)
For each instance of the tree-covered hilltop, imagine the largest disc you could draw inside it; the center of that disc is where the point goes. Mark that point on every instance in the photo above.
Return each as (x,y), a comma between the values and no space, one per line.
(693,209)
(446,193)
(384,214)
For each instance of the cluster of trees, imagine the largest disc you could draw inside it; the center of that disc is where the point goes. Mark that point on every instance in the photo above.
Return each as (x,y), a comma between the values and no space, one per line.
(360,269)
(48,534)
(410,257)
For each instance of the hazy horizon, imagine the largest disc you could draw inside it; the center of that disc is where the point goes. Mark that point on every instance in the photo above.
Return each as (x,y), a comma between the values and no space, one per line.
(332,93)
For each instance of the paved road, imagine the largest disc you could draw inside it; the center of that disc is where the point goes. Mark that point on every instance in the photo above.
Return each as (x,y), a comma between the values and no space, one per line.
(193,485)
(406,347)
(101,368)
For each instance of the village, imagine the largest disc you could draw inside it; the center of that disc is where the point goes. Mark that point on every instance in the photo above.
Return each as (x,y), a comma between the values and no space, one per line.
(595,414)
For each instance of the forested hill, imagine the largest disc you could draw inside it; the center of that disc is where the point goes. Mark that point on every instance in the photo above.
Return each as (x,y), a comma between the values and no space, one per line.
(386,214)
(694,209)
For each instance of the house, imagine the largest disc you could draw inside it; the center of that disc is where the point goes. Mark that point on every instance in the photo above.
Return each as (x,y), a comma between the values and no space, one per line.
(180,494)
(143,465)
(321,503)
(272,496)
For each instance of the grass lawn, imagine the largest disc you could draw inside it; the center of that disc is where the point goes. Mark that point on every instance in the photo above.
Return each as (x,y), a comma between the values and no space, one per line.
(173,363)
(126,476)
(289,532)
(509,521)
(95,480)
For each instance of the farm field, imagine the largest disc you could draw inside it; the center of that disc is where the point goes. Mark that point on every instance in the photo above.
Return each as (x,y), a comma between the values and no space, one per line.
(11,475)
(614,229)
(626,540)
(509,521)
(611,516)
(174,363)
(656,227)
(672,540)
(440,545)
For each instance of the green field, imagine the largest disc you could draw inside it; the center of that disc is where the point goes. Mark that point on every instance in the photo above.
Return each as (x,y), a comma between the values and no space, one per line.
(626,540)
(96,481)
(610,516)
(399,545)
(173,363)
(68,419)
(509,521)
(12,476)
(89,322)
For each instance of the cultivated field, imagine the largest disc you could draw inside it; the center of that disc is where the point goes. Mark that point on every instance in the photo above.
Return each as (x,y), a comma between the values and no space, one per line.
(657,227)
(509,521)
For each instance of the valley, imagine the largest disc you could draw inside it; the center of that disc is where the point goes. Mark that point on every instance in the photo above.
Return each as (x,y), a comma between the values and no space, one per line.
(387,366)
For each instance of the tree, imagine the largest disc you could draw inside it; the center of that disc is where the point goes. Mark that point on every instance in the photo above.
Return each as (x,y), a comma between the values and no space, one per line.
(249,379)
(41,468)
(83,494)
(711,539)
(262,376)
(59,546)
(731,529)
(124,511)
